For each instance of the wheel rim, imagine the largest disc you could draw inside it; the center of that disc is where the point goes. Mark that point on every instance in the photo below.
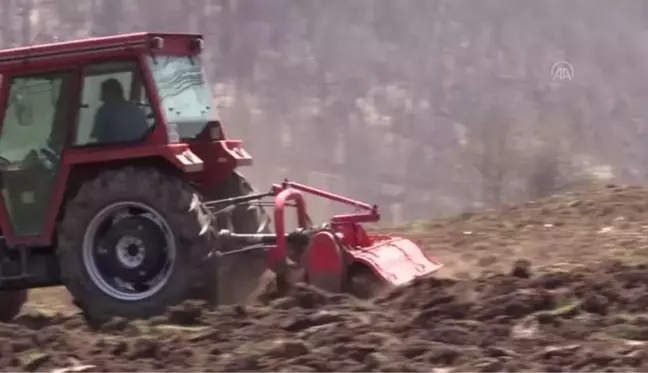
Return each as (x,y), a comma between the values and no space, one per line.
(129,252)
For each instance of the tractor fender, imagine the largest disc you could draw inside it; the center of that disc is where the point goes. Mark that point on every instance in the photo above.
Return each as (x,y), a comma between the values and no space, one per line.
(324,262)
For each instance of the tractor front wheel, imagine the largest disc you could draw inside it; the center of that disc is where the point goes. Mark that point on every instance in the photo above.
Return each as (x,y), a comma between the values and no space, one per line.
(130,243)
(11,303)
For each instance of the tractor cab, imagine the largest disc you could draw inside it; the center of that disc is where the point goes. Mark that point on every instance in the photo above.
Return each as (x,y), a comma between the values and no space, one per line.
(128,97)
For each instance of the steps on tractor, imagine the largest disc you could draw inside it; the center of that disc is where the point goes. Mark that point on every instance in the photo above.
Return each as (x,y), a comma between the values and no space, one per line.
(27,267)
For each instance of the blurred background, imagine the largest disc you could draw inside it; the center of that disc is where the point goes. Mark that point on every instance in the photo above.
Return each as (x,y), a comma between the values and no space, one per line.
(426,107)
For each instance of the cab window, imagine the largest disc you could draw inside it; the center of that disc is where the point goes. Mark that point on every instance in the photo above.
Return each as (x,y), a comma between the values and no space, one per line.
(34,129)
(33,114)
(114,105)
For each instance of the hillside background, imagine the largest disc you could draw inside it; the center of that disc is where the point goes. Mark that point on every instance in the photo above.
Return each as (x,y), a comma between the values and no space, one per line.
(426,107)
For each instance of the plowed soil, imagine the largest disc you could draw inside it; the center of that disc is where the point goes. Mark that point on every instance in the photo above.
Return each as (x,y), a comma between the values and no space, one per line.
(555,285)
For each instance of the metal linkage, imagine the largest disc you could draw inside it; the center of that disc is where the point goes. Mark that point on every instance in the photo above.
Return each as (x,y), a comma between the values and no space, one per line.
(237,200)
(227,238)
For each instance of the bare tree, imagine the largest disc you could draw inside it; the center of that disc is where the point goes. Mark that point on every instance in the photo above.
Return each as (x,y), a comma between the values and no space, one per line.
(8,35)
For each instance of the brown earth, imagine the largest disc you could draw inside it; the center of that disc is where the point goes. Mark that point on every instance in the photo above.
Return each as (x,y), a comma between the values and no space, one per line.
(555,285)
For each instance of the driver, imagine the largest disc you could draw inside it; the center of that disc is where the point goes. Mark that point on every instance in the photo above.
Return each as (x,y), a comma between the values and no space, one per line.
(117,120)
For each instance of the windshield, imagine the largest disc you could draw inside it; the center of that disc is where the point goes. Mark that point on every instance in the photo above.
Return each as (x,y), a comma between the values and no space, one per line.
(185,97)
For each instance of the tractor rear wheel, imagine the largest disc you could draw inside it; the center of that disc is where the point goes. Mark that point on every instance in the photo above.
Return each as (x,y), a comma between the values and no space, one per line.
(241,277)
(130,243)
(244,218)
(11,303)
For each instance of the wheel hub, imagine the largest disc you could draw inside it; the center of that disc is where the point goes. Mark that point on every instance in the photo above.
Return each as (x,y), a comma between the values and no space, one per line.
(129,251)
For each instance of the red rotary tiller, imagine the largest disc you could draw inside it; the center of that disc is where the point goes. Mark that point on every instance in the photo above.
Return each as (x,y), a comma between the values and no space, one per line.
(337,256)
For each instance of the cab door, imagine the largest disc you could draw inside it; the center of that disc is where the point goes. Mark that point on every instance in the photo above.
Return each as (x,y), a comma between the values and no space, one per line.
(32,135)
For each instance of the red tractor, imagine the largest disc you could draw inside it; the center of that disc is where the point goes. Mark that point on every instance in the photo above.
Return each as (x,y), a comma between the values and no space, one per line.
(119,183)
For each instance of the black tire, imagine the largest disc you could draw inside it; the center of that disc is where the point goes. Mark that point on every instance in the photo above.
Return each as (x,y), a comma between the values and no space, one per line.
(238,278)
(179,206)
(245,218)
(11,303)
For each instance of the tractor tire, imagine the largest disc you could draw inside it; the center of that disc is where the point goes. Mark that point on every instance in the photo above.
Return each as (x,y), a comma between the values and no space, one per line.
(165,235)
(241,277)
(244,218)
(11,303)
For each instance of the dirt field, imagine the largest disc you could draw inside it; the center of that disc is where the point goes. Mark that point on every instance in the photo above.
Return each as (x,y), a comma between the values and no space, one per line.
(557,285)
